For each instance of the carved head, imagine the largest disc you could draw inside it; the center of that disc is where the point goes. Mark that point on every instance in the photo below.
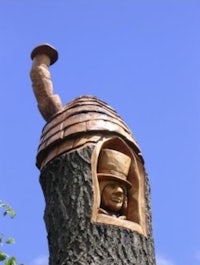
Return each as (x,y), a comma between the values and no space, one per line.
(113,168)
(113,197)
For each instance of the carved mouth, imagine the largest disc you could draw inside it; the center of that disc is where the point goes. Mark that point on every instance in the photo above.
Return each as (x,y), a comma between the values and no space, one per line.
(115,199)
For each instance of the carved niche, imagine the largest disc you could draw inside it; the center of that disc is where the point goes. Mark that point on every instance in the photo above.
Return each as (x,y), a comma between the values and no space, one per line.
(118,183)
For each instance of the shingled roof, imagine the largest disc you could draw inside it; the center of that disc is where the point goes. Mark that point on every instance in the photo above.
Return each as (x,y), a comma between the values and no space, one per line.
(84,117)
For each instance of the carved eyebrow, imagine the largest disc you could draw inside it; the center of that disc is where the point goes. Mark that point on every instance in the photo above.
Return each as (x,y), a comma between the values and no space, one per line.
(116,184)
(113,185)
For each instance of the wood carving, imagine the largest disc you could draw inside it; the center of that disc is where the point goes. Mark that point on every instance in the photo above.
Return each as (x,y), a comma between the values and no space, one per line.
(113,161)
(93,178)
(112,171)
(43,56)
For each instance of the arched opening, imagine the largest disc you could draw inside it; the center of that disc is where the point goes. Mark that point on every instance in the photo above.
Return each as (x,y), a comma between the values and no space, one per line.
(113,161)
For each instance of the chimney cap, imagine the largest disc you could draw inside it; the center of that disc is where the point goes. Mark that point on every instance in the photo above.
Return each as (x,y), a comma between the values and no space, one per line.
(46,49)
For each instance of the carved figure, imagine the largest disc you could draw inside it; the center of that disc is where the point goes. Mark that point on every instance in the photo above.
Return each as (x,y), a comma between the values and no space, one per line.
(113,199)
(113,168)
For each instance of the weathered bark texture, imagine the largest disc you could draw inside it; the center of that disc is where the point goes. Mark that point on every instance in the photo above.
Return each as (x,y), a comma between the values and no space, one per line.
(67,185)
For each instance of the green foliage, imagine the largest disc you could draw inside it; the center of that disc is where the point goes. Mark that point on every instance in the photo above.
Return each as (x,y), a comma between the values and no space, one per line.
(10,240)
(4,257)
(11,261)
(7,209)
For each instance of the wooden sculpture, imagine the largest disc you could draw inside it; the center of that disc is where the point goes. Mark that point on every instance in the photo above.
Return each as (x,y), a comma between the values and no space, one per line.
(113,168)
(93,179)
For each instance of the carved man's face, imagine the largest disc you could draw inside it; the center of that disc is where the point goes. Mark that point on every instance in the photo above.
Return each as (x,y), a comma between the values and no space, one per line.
(112,197)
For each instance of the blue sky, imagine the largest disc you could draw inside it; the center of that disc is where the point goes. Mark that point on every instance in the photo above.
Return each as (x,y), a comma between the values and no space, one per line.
(143,59)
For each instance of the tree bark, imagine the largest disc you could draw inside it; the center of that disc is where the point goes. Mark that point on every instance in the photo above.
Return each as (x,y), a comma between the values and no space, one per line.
(72,237)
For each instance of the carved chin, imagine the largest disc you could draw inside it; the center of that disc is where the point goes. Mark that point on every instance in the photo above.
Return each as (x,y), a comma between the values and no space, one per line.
(114,205)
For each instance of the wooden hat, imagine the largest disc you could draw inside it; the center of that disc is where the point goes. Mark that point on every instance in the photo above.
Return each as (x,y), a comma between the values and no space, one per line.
(114,165)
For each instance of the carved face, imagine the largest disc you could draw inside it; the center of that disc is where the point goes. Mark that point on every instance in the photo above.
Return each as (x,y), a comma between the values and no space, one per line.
(112,196)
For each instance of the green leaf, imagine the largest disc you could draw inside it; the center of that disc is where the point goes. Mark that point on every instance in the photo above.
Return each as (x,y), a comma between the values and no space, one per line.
(9,211)
(3,256)
(10,240)
(11,261)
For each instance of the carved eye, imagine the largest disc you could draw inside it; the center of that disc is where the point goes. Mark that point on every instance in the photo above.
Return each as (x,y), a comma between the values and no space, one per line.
(113,186)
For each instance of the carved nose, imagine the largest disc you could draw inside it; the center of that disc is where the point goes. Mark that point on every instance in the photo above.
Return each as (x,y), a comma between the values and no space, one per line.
(118,191)
(119,194)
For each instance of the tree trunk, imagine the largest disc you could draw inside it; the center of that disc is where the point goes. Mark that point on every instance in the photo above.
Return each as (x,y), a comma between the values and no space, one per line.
(72,237)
